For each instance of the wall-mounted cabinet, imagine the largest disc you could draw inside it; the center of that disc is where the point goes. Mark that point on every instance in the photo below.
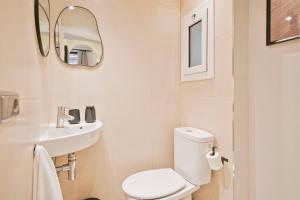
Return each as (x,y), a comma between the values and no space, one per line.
(197,43)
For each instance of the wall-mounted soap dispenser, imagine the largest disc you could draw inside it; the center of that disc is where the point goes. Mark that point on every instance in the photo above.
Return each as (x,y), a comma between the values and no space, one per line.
(9,105)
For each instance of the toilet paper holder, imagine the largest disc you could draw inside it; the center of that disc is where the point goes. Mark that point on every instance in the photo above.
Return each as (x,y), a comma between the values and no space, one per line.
(223,159)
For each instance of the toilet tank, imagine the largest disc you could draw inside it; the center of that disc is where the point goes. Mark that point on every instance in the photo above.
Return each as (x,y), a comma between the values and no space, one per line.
(190,148)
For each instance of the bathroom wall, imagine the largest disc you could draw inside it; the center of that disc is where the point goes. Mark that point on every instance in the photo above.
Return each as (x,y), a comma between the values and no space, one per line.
(24,71)
(274,112)
(134,91)
(241,100)
(208,104)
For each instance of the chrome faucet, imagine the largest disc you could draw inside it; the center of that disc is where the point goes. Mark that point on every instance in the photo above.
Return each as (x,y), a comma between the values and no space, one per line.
(61,116)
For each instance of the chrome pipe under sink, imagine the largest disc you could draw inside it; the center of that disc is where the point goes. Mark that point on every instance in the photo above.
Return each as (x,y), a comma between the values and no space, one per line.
(70,167)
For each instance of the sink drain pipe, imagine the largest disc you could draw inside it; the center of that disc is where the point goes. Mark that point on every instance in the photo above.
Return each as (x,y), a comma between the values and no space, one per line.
(70,167)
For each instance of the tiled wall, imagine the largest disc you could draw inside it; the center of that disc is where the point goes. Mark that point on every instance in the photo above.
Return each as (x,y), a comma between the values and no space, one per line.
(208,104)
(134,91)
(22,70)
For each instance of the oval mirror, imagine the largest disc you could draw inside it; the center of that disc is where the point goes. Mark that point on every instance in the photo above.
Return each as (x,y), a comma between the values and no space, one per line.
(42,24)
(77,38)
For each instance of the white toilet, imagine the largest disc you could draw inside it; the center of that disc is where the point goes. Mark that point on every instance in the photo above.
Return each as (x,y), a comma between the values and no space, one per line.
(191,170)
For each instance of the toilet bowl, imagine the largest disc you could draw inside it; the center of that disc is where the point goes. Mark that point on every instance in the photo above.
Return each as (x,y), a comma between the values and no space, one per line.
(162,184)
(191,170)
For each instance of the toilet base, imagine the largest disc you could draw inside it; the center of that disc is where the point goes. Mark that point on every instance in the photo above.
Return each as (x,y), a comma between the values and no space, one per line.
(187,198)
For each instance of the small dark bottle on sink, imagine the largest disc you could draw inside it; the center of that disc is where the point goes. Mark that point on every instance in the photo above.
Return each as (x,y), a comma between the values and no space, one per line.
(90,114)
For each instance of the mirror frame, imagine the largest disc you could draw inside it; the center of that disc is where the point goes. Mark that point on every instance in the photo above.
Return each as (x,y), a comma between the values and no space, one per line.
(37,26)
(269,28)
(101,42)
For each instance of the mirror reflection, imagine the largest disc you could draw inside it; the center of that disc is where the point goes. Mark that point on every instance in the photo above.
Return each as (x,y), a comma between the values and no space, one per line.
(42,13)
(77,38)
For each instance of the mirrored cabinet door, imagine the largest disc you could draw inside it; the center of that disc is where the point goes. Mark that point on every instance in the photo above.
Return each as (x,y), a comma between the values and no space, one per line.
(197,43)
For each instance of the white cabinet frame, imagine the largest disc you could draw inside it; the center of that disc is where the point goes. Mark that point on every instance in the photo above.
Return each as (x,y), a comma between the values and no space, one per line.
(204,13)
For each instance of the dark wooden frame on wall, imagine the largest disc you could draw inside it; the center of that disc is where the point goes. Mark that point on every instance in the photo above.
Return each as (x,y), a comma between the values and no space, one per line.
(269,28)
(37,26)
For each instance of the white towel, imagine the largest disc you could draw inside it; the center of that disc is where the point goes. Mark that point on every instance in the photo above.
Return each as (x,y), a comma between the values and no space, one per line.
(45,181)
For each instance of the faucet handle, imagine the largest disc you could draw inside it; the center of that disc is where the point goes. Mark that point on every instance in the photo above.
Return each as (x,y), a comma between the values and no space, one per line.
(62,115)
(63,108)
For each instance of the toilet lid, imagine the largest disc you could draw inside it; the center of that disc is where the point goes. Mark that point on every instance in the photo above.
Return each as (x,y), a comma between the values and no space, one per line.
(153,184)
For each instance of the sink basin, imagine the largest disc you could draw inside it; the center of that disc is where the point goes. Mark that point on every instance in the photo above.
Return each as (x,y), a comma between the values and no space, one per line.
(72,138)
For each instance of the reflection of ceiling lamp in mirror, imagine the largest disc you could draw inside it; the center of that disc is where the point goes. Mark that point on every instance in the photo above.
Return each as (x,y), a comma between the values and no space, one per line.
(71,7)
(77,38)
(42,13)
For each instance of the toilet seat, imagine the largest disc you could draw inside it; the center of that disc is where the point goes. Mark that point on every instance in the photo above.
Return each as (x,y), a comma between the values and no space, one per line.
(153,184)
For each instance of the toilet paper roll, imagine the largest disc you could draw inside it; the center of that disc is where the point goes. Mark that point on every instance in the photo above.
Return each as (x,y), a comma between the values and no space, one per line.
(214,160)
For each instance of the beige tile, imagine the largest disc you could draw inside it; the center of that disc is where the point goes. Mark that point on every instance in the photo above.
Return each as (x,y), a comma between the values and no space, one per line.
(134,91)
(208,104)
(20,72)
(211,114)
(223,17)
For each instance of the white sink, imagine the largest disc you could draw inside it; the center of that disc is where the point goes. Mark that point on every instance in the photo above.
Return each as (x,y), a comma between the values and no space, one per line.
(72,138)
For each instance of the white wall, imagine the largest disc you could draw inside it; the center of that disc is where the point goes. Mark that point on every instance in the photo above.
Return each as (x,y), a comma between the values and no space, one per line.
(241,100)
(274,112)
(22,70)
(208,104)
(134,91)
